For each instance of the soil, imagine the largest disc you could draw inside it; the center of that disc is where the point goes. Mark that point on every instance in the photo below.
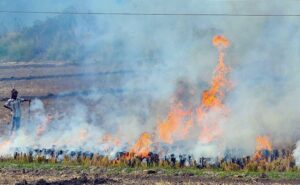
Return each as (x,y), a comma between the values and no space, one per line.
(48,79)
(73,177)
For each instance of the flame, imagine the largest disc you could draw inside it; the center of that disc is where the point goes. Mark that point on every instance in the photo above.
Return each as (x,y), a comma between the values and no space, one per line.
(179,121)
(143,145)
(209,132)
(220,41)
(186,128)
(176,125)
(262,143)
(212,98)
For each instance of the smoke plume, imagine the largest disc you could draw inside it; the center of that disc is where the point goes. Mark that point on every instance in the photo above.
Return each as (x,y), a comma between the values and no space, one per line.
(173,61)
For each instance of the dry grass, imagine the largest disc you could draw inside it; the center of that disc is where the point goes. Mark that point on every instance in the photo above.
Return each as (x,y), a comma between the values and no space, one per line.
(280,165)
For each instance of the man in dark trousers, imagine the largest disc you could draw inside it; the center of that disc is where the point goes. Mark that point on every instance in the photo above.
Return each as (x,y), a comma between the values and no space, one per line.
(14,105)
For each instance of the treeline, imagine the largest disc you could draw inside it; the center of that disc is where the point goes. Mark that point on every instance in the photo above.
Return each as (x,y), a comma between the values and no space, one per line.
(57,38)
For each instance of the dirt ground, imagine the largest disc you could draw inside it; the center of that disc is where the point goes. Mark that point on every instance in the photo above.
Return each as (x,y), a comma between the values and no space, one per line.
(73,177)
(44,79)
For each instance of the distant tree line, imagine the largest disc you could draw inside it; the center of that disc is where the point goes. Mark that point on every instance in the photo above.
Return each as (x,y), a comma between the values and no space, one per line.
(57,38)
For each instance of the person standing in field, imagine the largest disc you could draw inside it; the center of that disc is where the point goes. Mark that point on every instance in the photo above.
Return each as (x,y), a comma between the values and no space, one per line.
(14,105)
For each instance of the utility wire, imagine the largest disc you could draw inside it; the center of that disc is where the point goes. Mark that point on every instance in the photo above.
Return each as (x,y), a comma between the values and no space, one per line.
(151,14)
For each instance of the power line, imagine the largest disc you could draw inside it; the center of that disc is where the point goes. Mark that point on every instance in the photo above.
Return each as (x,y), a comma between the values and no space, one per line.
(151,14)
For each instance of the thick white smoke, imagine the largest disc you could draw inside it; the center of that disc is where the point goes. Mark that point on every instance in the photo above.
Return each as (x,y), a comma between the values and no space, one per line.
(165,50)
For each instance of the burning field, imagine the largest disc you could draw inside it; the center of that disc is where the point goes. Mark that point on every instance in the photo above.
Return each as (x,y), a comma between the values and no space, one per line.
(187,124)
(189,141)
(162,95)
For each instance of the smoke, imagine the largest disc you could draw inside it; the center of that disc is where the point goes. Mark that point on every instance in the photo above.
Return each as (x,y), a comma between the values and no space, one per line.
(164,51)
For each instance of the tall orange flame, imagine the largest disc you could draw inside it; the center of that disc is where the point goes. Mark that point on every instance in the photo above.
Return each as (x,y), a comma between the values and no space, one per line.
(213,97)
(179,121)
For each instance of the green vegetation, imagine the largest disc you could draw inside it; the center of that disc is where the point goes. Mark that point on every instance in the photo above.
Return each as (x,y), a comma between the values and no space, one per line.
(122,167)
(190,171)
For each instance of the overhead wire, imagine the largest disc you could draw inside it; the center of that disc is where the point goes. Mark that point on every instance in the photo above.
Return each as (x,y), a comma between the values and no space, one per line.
(149,14)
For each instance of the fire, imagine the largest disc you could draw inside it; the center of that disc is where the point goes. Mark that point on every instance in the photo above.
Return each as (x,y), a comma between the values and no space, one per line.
(209,132)
(262,143)
(143,145)
(212,98)
(186,128)
(179,122)
(176,125)
(220,41)
(181,118)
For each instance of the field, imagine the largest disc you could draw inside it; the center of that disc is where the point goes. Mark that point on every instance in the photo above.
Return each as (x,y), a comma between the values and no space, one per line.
(48,82)
(41,173)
